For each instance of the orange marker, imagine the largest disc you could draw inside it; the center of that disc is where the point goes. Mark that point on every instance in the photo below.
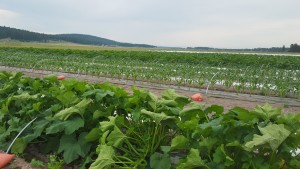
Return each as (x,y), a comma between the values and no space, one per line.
(61,77)
(197,97)
(5,159)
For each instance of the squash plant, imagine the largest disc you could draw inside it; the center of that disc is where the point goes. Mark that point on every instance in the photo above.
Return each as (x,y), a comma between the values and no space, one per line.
(102,126)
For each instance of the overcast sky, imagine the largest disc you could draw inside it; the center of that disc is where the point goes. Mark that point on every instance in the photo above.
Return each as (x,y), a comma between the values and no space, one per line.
(182,23)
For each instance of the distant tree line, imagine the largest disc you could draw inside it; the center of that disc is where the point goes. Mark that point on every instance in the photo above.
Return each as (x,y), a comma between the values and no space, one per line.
(293,48)
(23,35)
(27,36)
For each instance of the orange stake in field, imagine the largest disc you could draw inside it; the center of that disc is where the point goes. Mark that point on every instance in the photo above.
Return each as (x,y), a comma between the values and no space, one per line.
(5,159)
(197,97)
(61,77)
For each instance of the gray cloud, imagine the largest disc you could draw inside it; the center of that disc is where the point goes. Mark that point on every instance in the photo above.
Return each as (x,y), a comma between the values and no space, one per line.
(214,23)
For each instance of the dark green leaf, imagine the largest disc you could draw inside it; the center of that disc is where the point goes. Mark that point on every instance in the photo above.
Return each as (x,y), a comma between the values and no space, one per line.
(68,98)
(93,135)
(170,94)
(243,114)
(192,161)
(196,111)
(215,108)
(37,130)
(160,161)
(68,126)
(18,146)
(73,148)
(179,142)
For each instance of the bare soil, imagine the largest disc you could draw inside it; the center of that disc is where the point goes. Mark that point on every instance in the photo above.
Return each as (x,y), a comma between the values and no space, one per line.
(18,163)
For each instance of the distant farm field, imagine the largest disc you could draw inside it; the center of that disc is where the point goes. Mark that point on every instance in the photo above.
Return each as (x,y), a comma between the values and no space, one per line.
(271,75)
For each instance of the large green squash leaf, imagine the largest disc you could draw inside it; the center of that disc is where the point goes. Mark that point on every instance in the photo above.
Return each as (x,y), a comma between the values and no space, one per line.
(156,117)
(107,125)
(73,148)
(170,94)
(38,128)
(220,156)
(69,126)
(116,137)
(78,108)
(266,112)
(196,111)
(192,161)
(98,93)
(68,98)
(93,135)
(272,135)
(179,142)
(105,158)
(19,146)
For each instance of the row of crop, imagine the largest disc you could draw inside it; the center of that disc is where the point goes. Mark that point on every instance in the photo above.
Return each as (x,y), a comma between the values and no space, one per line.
(264,79)
(213,59)
(101,126)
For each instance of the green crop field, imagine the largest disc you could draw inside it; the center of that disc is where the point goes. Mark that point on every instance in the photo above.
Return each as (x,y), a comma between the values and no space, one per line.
(101,126)
(241,73)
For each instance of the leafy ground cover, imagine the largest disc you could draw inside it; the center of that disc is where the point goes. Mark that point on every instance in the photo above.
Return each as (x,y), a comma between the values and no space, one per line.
(102,126)
(242,73)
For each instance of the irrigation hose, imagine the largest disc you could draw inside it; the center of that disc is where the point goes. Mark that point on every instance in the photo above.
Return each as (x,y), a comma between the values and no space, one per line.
(210,82)
(19,134)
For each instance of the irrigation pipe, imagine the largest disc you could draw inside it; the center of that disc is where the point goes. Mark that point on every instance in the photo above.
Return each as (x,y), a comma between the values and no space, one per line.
(19,135)
(210,82)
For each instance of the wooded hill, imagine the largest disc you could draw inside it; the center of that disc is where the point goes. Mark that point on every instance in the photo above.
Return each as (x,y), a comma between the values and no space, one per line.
(28,36)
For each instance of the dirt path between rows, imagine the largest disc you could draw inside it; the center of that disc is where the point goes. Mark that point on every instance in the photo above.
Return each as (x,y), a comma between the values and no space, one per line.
(226,99)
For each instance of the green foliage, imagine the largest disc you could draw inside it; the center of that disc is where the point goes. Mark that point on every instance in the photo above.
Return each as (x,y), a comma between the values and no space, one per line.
(193,160)
(294,48)
(243,73)
(54,162)
(160,161)
(102,126)
(73,147)
(179,142)
(36,163)
(105,159)
(78,109)
(273,135)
